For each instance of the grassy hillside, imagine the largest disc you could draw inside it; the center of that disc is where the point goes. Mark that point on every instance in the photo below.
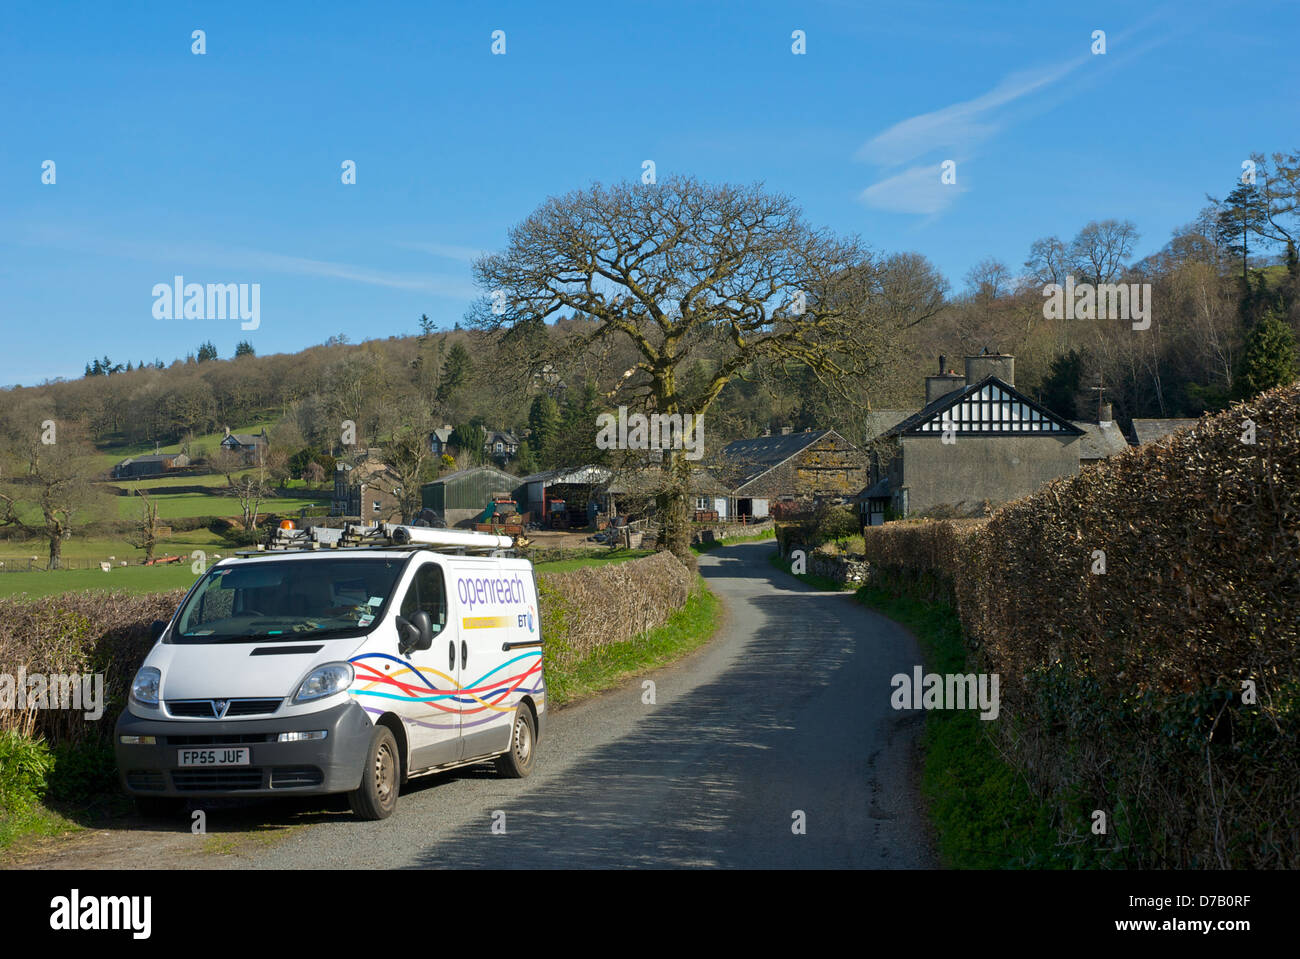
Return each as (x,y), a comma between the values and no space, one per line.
(111,455)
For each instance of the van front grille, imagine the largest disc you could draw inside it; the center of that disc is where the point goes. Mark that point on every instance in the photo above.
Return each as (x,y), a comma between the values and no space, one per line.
(225,739)
(193,780)
(208,708)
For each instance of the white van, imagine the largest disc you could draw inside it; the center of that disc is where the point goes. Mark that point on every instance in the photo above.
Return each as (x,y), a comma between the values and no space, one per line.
(342,661)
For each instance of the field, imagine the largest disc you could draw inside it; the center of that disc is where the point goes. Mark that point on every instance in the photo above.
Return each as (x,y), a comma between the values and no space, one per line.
(133,579)
(186,505)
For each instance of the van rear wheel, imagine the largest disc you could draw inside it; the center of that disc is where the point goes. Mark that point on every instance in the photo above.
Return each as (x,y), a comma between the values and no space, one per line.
(517,762)
(381,778)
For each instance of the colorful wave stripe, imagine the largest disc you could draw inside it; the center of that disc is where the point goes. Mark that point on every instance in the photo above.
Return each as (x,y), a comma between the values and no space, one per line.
(484,695)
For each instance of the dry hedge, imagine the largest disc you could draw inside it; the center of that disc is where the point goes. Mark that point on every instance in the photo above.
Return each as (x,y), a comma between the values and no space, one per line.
(595,606)
(108,632)
(1125,686)
(83,633)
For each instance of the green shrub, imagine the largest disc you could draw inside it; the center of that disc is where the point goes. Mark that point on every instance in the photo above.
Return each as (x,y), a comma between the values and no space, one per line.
(25,765)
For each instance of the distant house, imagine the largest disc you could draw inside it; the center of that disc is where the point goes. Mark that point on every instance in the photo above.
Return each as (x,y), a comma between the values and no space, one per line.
(632,492)
(978,440)
(155,464)
(251,445)
(810,466)
(1150,431)
(501,446)
(440,439)
(367,491)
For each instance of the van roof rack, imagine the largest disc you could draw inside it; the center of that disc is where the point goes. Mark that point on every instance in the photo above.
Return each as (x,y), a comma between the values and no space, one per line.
(381,536)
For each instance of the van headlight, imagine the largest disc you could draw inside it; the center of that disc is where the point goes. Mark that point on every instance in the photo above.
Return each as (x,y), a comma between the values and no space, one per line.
(325,681)
(144,688)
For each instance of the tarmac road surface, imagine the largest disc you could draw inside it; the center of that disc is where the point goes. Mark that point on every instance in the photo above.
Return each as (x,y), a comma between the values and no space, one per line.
(786,710)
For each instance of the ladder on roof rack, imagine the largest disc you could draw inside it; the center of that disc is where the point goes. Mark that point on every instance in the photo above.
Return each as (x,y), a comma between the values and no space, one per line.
(384,536)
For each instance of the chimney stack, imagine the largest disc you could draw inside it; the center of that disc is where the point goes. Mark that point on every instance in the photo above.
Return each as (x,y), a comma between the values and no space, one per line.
(1001,365)
(944,383)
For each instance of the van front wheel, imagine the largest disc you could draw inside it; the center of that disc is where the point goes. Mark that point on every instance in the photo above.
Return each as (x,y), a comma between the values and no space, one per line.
(517,762)
(381,778)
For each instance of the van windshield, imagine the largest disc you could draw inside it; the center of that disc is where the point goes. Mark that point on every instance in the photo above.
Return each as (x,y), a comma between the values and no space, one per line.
(288,600)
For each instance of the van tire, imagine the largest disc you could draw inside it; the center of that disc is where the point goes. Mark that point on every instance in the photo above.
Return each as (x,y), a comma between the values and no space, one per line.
(381,778)
(158,807)
(517,761)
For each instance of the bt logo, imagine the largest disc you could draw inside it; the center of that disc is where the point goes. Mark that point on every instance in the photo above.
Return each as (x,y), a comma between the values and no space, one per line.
(527,619)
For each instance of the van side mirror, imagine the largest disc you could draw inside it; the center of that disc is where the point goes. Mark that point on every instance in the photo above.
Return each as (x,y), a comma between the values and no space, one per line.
(417,632)
(156,629)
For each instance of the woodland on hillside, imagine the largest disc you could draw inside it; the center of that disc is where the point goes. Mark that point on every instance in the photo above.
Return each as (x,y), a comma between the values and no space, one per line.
(1224,292)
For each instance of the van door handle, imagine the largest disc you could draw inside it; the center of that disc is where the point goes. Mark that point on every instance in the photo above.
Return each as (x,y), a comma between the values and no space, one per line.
(451,654)
(464,654)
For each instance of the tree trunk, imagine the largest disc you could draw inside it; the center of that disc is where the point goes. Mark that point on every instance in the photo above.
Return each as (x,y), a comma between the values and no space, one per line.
(56,550)
(671,507)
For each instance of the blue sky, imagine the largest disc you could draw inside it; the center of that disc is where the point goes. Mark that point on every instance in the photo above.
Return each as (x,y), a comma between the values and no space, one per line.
(225,167)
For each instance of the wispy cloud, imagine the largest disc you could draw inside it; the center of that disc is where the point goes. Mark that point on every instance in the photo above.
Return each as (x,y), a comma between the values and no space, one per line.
(252,261)
(918,189)
(448,251)
(959,126)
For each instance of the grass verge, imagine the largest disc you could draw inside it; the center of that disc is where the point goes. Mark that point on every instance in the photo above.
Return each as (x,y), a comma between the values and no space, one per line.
(616,556)
(984,815)
(34,822)
(686,630)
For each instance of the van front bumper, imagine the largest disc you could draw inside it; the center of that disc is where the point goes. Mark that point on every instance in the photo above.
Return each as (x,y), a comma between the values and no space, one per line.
(307,767)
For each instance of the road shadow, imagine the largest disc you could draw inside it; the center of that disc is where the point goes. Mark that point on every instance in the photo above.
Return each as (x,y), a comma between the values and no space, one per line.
(797,725)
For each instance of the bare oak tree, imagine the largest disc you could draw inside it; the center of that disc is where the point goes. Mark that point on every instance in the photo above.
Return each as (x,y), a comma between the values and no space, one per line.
(669,267)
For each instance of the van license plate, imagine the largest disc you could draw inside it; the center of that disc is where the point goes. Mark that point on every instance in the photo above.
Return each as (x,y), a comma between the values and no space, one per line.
(214,757)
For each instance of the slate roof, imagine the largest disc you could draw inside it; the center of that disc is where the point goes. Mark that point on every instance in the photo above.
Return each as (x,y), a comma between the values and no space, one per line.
(1100,440)
(1149,430)
(878,490)
(151,458)
(245,439)
(749,459)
